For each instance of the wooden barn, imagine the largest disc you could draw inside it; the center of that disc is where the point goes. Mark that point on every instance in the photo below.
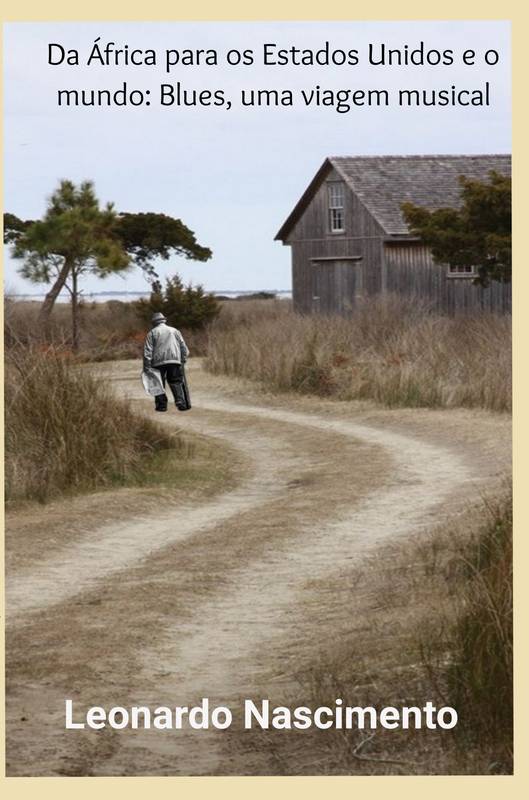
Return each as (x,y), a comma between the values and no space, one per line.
(349,239)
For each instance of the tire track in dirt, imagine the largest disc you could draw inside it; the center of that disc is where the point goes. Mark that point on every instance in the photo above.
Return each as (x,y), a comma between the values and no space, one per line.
(224,651)
(247,635)
(115,547)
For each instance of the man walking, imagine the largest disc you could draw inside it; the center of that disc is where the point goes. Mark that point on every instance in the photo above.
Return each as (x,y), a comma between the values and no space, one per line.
(166,351)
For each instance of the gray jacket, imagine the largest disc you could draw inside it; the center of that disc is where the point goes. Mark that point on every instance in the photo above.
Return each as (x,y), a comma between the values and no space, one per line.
(164,345)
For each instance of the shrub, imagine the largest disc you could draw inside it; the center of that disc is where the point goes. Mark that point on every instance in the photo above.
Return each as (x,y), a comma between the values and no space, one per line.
(184,306)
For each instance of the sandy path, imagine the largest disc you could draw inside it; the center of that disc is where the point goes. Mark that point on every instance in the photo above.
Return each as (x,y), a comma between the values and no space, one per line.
(219,651)
(424,475)
(113,548)
(322,491)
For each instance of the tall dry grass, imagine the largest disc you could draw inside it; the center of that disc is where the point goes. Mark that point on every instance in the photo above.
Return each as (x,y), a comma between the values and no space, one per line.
(480,673)
(66,432)
(427,620)
(394,351)
(108,331)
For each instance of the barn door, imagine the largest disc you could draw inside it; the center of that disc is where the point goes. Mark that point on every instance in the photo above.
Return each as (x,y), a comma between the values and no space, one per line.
(337,285)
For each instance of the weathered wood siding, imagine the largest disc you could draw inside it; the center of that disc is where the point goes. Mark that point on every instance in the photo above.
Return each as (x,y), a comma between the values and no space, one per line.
(337,285)
(334,286)
(410,270)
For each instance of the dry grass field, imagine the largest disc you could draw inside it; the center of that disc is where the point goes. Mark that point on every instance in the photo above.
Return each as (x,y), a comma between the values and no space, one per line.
(332,519)
(429,617)
(392,351)
(108,331)
(67,433)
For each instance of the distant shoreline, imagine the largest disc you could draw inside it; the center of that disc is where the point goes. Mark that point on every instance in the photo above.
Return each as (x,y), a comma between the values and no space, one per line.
(102,296)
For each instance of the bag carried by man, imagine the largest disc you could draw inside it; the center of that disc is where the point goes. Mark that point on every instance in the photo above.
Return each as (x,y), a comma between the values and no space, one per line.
(152,381)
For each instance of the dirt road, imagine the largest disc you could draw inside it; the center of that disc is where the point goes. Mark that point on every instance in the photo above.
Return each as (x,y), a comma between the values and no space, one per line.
(215,597)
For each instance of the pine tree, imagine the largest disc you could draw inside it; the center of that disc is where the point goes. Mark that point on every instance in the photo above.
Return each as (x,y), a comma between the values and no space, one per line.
(478,234)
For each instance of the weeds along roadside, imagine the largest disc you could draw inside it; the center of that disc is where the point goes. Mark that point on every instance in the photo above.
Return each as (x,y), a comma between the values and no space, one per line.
(394,351)
(65,431)
(428,619)
(480,675)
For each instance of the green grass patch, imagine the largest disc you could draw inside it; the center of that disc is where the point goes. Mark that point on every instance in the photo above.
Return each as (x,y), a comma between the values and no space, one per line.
(196,464)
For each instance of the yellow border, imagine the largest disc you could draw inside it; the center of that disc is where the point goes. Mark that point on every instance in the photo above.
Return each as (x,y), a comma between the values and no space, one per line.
(374,787)
(164,10)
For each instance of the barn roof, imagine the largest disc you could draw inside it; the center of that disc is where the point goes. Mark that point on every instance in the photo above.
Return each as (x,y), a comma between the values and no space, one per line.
(383,183)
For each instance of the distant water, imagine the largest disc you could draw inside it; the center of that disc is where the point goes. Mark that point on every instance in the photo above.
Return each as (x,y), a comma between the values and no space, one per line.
(103,297)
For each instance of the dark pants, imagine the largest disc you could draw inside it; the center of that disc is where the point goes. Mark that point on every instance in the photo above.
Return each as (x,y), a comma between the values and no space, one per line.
(172,374)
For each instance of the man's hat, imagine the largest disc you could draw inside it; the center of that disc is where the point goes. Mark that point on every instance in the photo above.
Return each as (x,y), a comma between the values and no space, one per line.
(158,317)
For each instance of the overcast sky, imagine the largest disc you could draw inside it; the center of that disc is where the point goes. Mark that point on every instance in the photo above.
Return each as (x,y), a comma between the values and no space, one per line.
(231,176)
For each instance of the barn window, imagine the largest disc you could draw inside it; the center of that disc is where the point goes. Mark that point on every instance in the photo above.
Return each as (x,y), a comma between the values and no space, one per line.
(461,271)
(336,207)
